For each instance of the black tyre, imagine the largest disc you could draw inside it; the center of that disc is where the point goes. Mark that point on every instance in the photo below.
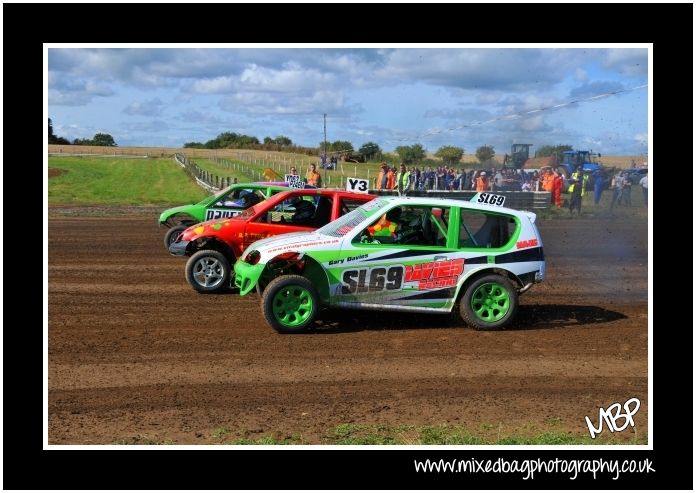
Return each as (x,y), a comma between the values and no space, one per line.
(489,302)
(208,271)
(172,233)
(290,303)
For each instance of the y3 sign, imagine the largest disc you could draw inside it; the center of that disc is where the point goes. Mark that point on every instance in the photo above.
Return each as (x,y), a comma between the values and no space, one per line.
(356,185)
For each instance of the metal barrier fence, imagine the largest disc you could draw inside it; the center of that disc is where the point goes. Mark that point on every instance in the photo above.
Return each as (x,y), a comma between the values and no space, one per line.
(513,200)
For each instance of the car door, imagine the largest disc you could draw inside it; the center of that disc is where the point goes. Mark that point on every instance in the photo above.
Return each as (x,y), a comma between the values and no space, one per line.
(279,218)
(418,266)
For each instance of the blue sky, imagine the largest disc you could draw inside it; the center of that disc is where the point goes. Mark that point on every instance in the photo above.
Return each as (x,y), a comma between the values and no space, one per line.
(391,96)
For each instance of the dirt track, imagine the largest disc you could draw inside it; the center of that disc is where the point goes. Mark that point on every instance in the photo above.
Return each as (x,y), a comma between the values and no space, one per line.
(136,355)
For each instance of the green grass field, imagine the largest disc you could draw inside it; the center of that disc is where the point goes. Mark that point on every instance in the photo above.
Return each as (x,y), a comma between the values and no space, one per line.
(551,433)
(119,181)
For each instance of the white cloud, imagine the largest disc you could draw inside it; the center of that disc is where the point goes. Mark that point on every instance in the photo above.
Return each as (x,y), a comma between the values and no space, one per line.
(641,139)
(152,107)
(218,85)
(629,61)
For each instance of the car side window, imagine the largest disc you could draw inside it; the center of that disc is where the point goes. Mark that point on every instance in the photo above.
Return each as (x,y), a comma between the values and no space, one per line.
(240,198)
(297,210)
(480,229)
(406,225)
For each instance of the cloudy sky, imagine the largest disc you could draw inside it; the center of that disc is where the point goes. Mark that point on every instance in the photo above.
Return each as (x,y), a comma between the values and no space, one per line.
(466,97)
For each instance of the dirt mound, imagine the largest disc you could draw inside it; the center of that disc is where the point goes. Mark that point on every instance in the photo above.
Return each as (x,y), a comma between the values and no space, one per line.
(53,172)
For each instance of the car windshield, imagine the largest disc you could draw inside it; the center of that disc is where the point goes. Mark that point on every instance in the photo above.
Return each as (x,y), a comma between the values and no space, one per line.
(345,224)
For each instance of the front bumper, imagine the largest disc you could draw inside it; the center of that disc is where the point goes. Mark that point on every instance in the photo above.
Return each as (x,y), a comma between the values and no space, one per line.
(178,248)
(246,276)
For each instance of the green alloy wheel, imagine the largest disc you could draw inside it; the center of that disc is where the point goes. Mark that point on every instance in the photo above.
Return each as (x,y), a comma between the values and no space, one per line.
(290,303)
(489,302)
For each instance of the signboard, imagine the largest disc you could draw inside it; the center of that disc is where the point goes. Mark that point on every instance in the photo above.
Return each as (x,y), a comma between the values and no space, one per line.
(358,185)
(294,181)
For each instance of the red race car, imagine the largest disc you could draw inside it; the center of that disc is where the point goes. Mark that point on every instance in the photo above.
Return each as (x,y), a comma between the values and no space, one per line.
(214,246)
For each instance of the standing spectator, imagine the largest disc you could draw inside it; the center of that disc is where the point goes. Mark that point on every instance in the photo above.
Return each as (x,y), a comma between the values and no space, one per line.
(598,186)
(644,185)
(460,179)
(618,190)
(403,180)
(626,196)
(557,187)
(497,180)
(313,176)
(576,189)
(430,183)
(385,178)
(482,182)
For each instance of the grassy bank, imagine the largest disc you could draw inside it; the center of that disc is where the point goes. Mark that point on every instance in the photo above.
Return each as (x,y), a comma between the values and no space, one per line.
(117,181)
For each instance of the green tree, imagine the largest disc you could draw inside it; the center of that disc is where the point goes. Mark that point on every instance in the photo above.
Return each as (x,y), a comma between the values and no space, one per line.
(53,138)
(411,154)
(370,150)
(485,153)
(268,140)
(282,140)
(341,145)
(103,140)
(450,155)
(194,145)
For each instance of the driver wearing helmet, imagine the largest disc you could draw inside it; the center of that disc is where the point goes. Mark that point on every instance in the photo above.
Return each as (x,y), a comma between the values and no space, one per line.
(387,229)
(249,198)
(304,212)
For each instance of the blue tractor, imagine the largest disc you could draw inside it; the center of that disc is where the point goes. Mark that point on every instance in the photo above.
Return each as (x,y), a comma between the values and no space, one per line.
(573,159)
(587,159)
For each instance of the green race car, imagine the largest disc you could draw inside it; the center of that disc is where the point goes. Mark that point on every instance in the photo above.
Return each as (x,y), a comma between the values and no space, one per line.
(402,254)
(227,203)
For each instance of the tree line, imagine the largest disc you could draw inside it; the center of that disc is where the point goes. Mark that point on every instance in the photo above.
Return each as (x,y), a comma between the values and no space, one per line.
(369,151)
(99,139)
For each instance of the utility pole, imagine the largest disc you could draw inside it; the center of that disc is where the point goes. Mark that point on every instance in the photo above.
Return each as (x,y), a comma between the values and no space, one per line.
(325,138)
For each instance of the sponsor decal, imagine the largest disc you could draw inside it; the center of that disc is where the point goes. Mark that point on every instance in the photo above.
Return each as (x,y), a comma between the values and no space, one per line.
(356,281)
(303,245)
(348,259)
(434,275)
(357,185)
(527,243)
(218,213)
(491,199)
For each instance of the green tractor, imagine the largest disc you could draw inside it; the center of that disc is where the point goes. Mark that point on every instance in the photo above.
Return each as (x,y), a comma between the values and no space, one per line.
(519,154)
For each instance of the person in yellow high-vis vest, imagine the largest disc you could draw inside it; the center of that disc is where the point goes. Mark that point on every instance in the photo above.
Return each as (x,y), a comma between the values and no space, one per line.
(577,188)
(403,180)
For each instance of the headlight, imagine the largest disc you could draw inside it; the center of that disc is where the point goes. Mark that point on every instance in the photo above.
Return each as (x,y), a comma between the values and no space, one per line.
(252,257)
